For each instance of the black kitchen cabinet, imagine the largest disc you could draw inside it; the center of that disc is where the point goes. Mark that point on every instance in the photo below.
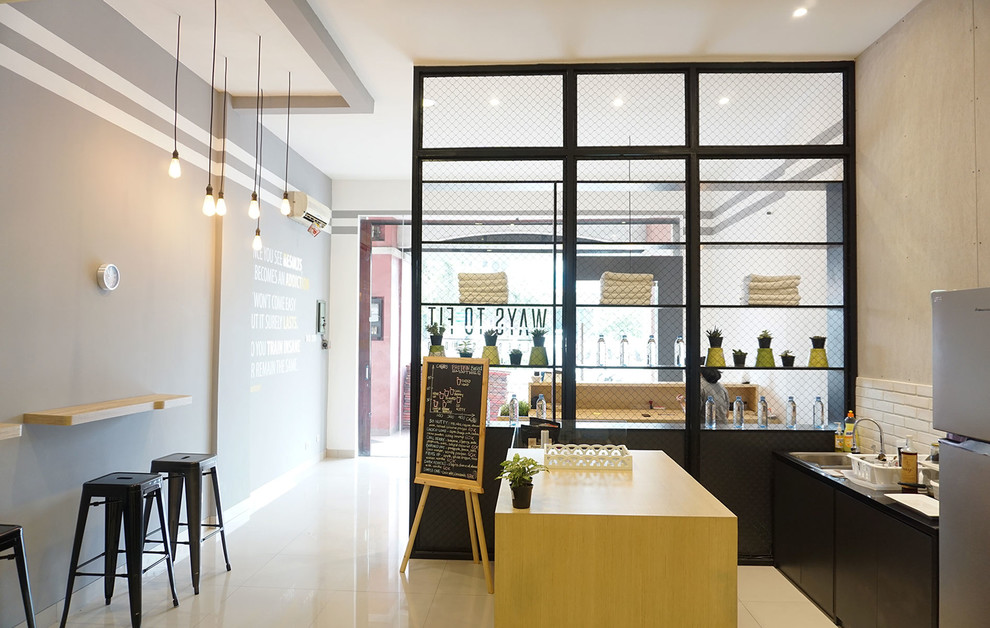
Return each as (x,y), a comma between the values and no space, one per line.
(804,532)
(882,560)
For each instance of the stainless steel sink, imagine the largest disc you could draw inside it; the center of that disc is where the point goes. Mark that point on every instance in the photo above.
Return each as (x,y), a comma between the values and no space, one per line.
(824,459)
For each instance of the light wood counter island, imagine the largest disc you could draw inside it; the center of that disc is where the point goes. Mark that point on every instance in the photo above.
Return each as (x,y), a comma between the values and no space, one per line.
(650,547)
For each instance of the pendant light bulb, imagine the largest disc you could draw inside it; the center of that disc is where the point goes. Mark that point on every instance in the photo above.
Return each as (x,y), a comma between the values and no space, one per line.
(254,212)
(174,169)
(221,205)
(256,243)
(209,205)
(286,208)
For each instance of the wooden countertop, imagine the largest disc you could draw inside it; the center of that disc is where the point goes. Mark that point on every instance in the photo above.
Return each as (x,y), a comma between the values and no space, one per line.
(656,487)
(10,430)
(86,413)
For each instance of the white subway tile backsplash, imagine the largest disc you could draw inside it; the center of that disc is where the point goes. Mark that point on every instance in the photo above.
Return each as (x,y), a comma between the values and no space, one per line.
(901,407)
(906,388)
(924,391)
(905,411)
(883,406)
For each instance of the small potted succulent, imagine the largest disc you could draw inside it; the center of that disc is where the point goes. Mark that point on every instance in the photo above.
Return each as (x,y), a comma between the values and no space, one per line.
(491,337)
(515,356)
(465,348)
(436,333)
(519,472)
(818,342)
(786,358)
(714,336)
(764,339)
(739,357)
(539,337)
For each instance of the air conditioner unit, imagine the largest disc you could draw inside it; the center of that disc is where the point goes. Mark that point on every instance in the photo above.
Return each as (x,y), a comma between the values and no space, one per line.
(307,210)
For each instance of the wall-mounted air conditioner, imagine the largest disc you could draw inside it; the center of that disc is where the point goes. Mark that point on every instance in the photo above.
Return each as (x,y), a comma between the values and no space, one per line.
(307,210)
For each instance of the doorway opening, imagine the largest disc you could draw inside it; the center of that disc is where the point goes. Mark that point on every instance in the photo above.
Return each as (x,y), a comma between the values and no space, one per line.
(383,348)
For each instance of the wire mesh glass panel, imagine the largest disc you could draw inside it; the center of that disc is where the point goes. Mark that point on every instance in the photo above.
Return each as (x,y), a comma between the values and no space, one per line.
(770,108)
(777,386)
(489,111)
(516,170)
(490,274)
(778,275)
(631,201)
(630,275)
(631,109)
(771,203)
(789,330)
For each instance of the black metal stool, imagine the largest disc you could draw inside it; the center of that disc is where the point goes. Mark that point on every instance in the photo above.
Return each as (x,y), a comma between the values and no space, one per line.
(126,494)
(12,538)
(189,469)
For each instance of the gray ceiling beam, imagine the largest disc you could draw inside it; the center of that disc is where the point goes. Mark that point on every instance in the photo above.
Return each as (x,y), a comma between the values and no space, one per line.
(306,27)
(300,104)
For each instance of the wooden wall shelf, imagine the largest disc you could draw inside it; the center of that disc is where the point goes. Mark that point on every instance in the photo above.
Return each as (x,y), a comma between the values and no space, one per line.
(9,430)
(86,413)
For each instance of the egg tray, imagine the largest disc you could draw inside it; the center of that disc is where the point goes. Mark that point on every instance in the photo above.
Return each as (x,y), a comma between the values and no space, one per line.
(588,458)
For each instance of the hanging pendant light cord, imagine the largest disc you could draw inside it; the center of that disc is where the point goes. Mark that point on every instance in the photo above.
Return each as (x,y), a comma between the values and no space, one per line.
(223,155)
(257,120)
(261,142)
(213,76)
(288,112)
(175,102)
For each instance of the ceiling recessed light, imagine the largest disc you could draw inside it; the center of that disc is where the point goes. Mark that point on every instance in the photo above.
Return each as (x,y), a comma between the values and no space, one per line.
(428,103)
(801,12)
(494,102)
(724,100)
(618,102)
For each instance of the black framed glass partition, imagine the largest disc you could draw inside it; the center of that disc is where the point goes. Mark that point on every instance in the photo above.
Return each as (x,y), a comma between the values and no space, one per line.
(624,210)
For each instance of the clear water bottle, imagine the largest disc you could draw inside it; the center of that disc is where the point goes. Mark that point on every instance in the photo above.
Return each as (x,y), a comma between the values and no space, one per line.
(541,408)
(651,350)
(710,413)
(818,415)
(791,414)
(761,413)
(679,351)
(737,413)
(601,349)
(623,345)
(513,411)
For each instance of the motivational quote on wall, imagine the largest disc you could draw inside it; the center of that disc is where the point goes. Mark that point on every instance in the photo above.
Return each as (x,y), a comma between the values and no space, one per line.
(278,279)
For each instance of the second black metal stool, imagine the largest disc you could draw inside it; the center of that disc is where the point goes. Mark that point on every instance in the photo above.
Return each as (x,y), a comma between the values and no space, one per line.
(189,469)
(129,496)
(12,538)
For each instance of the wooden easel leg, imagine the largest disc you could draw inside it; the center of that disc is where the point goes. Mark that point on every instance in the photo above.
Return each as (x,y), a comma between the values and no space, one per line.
(415,527)
(482,543)
(474,536)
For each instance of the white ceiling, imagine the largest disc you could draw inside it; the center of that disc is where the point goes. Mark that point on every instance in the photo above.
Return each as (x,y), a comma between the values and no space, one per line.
(383,39)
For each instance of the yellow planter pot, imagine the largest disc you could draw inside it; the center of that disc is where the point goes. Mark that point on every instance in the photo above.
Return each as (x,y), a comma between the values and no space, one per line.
(538,356)
(715,357)
(491,354)
(818,359)
(764,358)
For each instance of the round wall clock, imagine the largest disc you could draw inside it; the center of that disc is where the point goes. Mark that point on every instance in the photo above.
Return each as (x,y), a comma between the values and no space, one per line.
(108,276)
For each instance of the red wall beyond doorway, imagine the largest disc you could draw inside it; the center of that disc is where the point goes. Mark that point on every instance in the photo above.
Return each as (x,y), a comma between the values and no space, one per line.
(387,365)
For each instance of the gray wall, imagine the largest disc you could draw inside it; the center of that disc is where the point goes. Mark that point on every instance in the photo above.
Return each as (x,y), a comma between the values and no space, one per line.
(83,181)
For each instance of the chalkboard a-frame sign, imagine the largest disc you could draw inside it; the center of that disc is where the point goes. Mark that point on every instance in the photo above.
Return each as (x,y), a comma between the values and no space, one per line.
(452,411)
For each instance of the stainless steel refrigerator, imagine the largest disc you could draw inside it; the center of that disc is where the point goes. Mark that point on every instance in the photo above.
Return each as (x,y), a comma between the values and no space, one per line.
(961,407)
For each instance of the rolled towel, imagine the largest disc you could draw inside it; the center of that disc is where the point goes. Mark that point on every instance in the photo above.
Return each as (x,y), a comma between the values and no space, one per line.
(617,300)
(769,300)
(626,277)
(766,278)
(484,296)
(481,277)
(776,292)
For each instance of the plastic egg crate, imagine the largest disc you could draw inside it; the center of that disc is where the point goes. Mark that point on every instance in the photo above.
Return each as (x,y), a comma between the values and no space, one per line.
(867,468)
(588,458)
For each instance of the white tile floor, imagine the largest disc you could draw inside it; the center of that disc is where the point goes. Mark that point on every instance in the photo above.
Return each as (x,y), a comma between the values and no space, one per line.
(327,553)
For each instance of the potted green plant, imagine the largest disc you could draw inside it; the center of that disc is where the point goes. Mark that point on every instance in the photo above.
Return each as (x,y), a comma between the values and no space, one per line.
(739,357)
(714,337)
(786,358)
(519,472)
(515,356)
(764,339)
(539,337)
(436,333)
(491,337)
(818,342)
(465,348)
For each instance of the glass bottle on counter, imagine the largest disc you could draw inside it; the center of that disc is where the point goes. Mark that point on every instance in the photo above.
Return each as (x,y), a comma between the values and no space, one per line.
(679,351)
(791,414)
(651,350)
(761,413)
(710,413)
(623,345)
(601,349)
(818,415)
(513,411)
(541,408)
(737,413)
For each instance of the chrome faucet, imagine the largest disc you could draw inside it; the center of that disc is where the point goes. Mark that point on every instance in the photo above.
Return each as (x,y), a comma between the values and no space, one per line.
(855,445)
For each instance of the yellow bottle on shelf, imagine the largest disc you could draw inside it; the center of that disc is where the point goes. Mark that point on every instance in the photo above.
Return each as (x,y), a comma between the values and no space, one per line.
(847,434)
